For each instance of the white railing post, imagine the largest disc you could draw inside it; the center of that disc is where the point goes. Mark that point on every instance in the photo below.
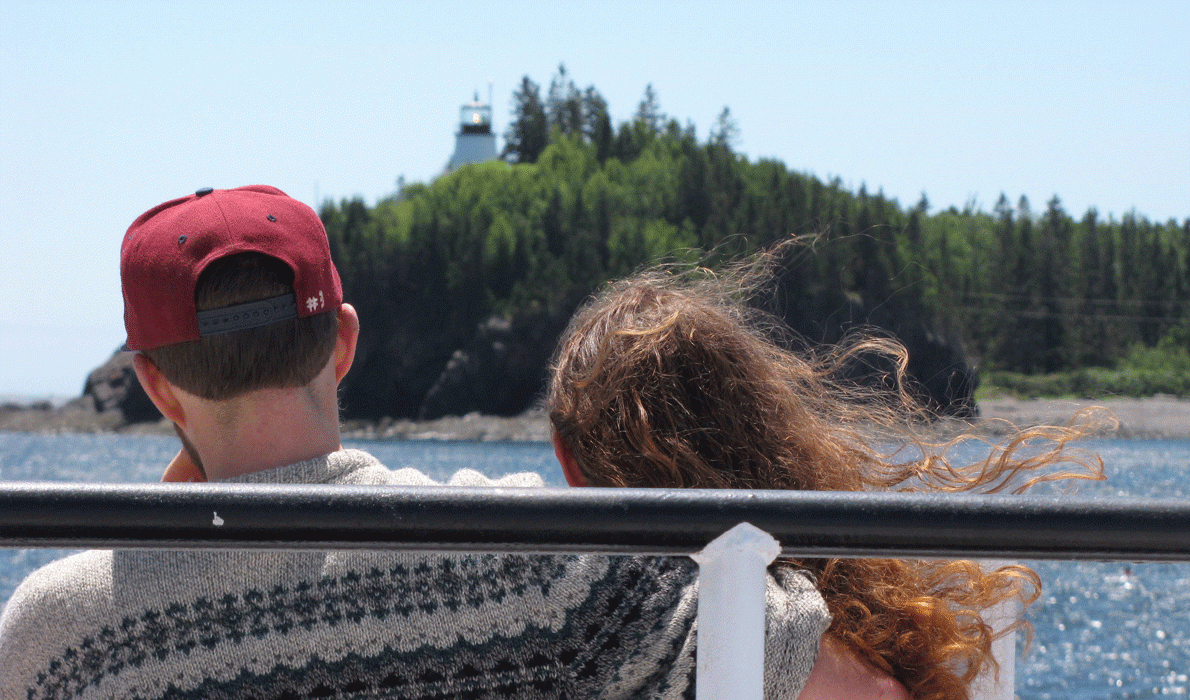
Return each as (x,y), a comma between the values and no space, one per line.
(731,609)
(989,686)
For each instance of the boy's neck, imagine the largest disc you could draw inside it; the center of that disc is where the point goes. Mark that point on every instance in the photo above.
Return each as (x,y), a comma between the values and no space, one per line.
(266,429)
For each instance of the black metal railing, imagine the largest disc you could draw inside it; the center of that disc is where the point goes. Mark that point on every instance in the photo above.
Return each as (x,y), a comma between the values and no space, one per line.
(608,521)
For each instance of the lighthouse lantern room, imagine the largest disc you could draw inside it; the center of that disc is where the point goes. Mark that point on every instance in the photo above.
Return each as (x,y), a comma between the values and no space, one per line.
(475,141)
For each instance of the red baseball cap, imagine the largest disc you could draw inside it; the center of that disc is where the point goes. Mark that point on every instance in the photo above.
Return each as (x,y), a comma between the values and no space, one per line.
(168,247)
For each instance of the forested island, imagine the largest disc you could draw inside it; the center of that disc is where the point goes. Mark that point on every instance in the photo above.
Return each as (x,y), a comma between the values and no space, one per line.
(463,284)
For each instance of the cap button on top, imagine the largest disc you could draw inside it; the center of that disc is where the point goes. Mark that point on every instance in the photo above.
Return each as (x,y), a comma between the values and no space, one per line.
(204,191)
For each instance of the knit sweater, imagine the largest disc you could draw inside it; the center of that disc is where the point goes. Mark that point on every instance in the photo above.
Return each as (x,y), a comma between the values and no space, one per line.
(181,625)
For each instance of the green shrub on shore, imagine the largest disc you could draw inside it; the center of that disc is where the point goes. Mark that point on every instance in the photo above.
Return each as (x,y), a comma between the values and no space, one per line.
(1093,383)
(1164,369)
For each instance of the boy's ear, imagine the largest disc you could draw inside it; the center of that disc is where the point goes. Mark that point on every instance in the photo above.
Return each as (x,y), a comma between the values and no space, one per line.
(159,389)
(574,476)
(345,342)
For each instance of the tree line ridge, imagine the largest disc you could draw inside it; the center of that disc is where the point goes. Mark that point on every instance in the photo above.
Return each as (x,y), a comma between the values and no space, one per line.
(464,283)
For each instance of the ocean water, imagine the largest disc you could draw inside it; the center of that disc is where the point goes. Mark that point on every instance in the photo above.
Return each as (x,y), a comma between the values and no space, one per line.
(1100,630)
(1115,630)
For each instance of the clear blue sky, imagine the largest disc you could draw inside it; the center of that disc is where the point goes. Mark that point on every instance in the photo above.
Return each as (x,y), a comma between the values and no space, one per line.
(107,109)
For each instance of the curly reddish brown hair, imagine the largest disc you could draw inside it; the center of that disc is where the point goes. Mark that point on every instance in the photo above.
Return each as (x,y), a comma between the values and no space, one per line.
(670,380)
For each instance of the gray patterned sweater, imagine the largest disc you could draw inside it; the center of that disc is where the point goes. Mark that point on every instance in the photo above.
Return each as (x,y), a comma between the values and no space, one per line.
(184,625)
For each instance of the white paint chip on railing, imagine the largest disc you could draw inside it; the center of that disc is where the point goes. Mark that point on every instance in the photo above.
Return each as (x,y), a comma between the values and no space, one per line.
(731,609)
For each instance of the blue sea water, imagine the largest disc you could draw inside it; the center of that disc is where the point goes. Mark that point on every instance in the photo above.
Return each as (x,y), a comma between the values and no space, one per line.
(1101,630)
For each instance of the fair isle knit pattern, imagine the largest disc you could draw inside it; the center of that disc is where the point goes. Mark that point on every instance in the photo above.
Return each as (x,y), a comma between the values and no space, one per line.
(184,625)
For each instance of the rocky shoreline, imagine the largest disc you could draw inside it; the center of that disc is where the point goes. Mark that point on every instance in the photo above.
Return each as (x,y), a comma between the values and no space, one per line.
(1151,418)
(1157,417)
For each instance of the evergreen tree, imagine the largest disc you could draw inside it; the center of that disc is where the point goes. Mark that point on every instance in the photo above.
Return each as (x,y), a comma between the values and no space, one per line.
(915,240)
(1053,287)
(564,104)
(528,134)
(1159,279)
(1131,292)
(1092,338)
(1025,344)
(597,124)
(693,201)
(726,131)
(648,113)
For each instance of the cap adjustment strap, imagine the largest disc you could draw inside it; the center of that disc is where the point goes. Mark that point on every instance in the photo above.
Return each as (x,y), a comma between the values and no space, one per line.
(250,315)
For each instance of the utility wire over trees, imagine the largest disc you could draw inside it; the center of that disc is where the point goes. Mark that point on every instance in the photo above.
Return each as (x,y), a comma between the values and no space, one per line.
(513,246)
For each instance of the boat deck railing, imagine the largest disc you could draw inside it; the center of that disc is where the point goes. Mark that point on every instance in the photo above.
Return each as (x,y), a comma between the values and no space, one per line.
(604,521)
(732,534)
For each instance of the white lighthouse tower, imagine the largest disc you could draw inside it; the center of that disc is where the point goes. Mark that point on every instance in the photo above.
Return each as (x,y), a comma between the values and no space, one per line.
(475,141)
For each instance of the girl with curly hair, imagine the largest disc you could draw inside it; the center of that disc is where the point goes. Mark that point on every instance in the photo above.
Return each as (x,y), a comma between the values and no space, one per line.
(670,379)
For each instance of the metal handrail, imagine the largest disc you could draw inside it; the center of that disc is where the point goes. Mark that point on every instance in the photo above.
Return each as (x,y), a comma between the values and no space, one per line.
(591,520)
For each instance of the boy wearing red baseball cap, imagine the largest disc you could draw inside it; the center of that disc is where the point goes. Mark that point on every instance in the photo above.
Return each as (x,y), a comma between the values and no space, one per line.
(236,312)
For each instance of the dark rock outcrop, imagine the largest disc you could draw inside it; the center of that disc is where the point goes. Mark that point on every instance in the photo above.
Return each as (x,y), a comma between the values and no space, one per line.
(941,370)
(114,387)
(939,373)
(501,372)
